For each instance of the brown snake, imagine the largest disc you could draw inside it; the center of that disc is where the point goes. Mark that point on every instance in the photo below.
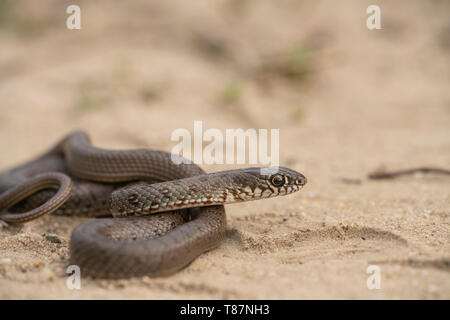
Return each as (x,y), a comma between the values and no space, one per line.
(76,178)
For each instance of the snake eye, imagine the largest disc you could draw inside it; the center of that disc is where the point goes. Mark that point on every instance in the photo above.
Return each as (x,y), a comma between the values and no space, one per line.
(277,180)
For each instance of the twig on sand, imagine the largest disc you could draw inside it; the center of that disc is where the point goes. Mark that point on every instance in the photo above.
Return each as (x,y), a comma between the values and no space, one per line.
(381,174)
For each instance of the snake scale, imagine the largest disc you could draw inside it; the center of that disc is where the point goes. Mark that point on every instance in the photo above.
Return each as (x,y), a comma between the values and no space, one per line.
(174,212)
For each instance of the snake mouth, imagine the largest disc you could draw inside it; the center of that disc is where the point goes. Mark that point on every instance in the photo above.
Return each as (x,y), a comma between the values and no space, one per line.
(301,180)
(296,184)
(296,181)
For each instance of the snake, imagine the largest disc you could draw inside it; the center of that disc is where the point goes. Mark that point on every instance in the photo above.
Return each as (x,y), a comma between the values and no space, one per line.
(152,216)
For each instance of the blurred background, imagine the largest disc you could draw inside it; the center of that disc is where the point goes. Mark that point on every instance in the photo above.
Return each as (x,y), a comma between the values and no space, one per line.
(346,99)
(138,70)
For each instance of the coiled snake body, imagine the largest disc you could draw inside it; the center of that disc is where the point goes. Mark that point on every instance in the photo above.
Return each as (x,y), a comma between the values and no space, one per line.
(76,178)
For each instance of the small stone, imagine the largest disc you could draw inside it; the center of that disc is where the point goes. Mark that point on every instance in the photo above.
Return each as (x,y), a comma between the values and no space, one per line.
(53,239)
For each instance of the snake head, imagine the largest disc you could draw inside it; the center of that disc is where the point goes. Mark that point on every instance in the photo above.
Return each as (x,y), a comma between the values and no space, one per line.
(260,183)
(281,180)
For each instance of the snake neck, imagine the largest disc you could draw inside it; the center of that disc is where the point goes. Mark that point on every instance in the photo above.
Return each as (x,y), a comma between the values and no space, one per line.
(143,198)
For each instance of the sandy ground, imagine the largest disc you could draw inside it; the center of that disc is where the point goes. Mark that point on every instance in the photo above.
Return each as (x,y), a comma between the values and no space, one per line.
(346,100)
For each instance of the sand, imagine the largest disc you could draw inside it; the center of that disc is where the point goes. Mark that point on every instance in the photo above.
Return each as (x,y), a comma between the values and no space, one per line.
(347,101)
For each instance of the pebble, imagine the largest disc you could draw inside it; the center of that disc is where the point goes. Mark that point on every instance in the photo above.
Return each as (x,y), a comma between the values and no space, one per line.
(5,260)
(53,239)
(427,213)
